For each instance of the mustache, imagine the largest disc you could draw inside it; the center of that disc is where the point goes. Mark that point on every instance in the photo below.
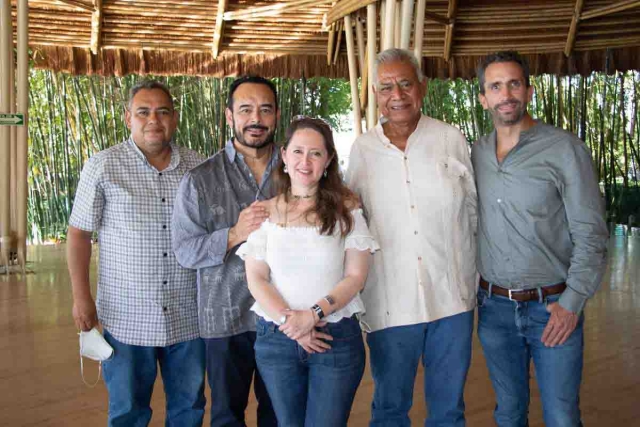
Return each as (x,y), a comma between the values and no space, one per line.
(508,102)
(257,127)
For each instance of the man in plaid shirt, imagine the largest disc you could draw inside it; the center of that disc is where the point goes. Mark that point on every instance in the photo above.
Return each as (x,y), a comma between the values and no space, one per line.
(146,301)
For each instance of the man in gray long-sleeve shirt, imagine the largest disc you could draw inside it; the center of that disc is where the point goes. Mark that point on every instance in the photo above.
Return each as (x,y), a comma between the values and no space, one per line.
(542,243)
(216,208)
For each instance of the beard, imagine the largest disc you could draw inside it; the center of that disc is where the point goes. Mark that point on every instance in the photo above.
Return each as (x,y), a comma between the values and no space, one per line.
(238,134)
(511,118)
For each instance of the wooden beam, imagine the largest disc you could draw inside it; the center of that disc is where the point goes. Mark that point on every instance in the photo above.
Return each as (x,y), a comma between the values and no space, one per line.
(437,18)
(330,42)
(217,33)
(353,75)
(610,8)
(336,51)
(343,8)
(448,31)
(76,4)
(573,29)
(271,9)
(96,26)
(360,41)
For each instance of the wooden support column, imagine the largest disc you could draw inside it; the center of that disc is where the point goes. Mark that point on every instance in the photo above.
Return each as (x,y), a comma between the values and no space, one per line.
(573,29)
(336,52)
(419,30)
(6,49)
(96,26)
(330,42)
(389,24)
(407,13)
(398,24)
(360,42)
(217,33)
(22,131)
(448,29)
(353,75)
(371,61)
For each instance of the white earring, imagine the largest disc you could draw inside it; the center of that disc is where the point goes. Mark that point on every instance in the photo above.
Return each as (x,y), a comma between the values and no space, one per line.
(325,173)
(285,169)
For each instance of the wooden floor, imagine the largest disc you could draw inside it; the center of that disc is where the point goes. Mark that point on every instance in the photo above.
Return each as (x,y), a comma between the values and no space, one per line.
(40,379)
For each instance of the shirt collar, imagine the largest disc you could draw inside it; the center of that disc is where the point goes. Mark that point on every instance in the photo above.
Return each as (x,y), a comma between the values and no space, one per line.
(173,163)
(231,153)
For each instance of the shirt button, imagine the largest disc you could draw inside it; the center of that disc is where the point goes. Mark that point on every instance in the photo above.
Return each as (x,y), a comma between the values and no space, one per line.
(413,206)
(419,258)
(164,309)
(160,174)
(164,254)
(499,200)
(164,227)
(405,157)
(415,232)
(163,200)
(164,282)
(408,182)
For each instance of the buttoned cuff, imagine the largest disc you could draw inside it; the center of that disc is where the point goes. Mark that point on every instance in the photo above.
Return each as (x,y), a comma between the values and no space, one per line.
(572,301)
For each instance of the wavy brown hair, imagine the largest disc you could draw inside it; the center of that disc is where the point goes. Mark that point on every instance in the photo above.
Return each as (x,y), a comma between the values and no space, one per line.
(334,200)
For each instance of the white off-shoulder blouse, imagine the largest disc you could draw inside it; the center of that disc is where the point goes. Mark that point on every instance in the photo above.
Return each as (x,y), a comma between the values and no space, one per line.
(305,265)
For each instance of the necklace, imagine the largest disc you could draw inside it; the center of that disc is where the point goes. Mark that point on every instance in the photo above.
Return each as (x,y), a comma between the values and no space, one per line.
(304,196)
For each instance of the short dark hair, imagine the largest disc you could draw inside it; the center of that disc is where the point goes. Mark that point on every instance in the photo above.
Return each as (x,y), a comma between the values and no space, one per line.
(148,85)
(250,79)
(502,56)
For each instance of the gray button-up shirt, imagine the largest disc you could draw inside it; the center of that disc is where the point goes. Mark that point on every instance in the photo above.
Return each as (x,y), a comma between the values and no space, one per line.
(541,214)
(207,205)
(144,296)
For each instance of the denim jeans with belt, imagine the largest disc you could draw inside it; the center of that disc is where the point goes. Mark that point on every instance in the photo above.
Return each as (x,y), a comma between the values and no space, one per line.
(132,371)
(510,333)
(309,390)
(444,346)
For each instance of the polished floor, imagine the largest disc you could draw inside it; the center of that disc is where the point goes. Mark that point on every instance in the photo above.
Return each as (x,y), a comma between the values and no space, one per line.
(40,380)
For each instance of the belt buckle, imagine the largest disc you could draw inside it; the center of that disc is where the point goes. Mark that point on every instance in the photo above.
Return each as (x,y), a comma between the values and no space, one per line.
(511,291)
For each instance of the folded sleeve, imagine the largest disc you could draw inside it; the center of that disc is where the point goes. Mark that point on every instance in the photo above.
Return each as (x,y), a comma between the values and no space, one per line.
(256,245)
(360,238)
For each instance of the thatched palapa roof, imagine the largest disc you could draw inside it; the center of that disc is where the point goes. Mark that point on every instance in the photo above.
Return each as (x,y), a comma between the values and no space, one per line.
(294,38)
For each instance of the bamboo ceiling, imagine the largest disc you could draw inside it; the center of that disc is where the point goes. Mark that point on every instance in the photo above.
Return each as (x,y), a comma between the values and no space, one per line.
(187,37)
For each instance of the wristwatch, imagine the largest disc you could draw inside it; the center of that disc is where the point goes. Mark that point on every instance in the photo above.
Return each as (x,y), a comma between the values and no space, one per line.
(318,310)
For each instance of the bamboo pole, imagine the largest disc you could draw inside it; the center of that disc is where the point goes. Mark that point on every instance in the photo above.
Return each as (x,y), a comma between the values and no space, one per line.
(23,131)
(217,34)
(96,26)
(389,24)
(336,51)
(419,30)
(407,12)
(371,55)
(6,45)
(610,8)
(361,49)
(271,10)
(398,24)
(383,21)
(344,8)
(77,4)
(571,37)
(330,39)
(353,75)
(448,36)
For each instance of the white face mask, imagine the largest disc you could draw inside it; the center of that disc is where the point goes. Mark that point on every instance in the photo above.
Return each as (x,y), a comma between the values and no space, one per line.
(94,346)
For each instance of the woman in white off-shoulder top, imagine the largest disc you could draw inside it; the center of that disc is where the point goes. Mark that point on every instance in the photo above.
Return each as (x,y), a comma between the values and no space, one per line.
(306,266)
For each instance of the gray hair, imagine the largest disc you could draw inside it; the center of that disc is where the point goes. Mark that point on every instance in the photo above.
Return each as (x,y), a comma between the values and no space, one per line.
(397,55)
(148,85)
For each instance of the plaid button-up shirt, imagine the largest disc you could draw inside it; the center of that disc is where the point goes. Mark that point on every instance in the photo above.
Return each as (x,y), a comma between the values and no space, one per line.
(144,296)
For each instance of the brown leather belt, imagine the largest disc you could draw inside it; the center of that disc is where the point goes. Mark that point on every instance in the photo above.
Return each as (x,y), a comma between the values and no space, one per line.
(524,295)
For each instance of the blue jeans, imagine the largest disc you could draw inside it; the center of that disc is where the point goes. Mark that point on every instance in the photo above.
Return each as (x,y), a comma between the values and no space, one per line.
(444,346)
(130,375)
(510,333)
(231,366)
(311,389)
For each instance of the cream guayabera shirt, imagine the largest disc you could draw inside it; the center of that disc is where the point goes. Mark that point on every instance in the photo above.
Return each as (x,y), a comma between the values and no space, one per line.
(421,207)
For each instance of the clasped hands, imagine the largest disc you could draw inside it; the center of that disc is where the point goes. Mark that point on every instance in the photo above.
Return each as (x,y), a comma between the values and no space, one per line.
(300,326)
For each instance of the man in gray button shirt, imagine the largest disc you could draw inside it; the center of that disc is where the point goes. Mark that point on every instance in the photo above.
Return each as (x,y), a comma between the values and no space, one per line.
(216,208)
(542,243)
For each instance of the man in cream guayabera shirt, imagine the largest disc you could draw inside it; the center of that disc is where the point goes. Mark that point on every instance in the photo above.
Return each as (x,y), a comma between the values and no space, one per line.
(415,180)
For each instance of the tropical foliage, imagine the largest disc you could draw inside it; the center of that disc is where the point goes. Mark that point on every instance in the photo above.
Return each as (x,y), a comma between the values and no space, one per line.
(72,117)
